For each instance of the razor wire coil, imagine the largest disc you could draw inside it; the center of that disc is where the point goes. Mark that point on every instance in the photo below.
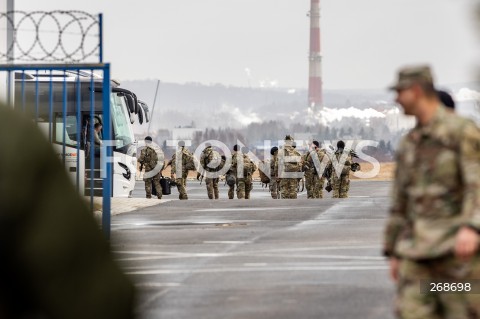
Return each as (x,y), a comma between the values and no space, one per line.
(54,36)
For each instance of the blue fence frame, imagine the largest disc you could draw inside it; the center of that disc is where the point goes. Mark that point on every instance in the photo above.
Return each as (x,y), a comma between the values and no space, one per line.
(49,71)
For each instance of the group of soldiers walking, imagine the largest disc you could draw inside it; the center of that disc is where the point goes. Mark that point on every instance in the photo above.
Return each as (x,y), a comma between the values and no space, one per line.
(283,173)
(317,167)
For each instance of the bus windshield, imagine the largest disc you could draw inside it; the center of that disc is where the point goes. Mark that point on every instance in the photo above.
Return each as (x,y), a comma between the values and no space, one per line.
(120,122)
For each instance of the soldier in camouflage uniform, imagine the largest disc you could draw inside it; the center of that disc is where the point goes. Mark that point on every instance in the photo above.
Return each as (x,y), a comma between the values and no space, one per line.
(433,229)
(231,174)
(313,182)
(243,169)
(341,166)
(149,159)
(288,184)
(181,162)
(211,163)
(273,173)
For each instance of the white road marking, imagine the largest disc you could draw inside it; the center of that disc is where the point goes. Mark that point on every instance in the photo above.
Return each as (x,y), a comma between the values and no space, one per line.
(253,209)
(277,253)
(251,269)
(226,242)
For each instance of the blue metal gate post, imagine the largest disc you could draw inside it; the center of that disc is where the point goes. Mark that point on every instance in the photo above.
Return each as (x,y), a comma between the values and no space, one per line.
(100,42)
(107,182)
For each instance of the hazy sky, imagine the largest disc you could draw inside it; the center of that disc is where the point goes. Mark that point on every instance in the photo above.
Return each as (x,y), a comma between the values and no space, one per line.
(215,41)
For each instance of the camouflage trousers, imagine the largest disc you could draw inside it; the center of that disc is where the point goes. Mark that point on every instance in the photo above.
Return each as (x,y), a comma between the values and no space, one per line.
(288,188)
(341,186)
(273,186)
(182,187)
(244,187)
(410,303)
(212,187)
(156,182)
(314,185)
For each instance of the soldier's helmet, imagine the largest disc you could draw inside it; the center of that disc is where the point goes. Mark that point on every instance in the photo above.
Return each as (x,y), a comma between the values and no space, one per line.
(148,139)
(341,145)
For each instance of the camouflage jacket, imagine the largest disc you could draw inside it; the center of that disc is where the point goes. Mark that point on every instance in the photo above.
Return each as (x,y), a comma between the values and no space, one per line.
(436,188)
(281,164)
(310,163)
(211,160)
(242,160)
(148,158)
(185,155)
(273,172)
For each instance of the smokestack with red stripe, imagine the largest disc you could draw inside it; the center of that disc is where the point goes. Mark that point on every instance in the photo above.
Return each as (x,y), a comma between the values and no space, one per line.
(315,98)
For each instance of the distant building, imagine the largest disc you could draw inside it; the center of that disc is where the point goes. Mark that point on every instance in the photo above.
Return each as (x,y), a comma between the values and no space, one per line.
(184,133)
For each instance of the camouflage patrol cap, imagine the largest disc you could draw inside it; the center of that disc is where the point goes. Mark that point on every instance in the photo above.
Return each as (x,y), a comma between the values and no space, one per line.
(148,138)
(288,138)
(273,150)
(411,75)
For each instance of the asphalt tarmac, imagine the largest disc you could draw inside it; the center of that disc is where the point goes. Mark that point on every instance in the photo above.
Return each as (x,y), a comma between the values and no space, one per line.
(259,258)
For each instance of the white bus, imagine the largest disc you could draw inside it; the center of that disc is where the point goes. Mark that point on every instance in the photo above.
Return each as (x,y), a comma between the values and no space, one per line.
(42,95)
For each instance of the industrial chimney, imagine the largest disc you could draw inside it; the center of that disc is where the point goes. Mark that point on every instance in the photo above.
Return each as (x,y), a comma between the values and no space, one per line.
(315,98)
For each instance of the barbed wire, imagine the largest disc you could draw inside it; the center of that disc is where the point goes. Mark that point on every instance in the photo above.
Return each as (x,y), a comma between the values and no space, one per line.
(54,36)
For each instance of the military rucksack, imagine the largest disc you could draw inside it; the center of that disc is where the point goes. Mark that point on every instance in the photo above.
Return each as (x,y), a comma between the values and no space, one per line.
(292,166)
(248,166)
(188,160)
(212,161)
(263,177)
(346,165)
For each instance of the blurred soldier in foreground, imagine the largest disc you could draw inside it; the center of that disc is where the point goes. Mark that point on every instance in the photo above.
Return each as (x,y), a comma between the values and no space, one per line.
(273,173)
(340,172)
(288,166)
(149,159)
(313,182)
(54,261)
(211,162)
(433,230)
(182,161)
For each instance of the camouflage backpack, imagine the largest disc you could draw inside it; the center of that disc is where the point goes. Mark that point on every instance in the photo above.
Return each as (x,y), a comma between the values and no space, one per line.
(188,160)
(212,161)
(248,166)
(346,165)
(263,177)
(292,166)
